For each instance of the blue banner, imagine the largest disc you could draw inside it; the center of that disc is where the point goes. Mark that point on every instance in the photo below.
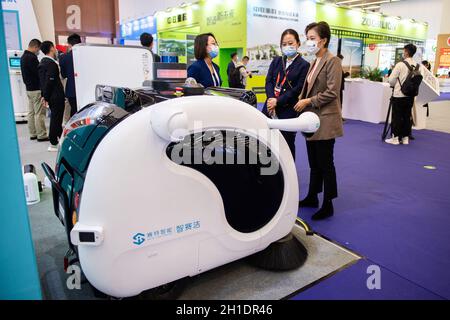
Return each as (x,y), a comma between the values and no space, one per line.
(133,29)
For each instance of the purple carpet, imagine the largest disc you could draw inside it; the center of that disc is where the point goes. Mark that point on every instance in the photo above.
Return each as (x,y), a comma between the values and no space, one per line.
(351,284)
(391,210)
(445,96)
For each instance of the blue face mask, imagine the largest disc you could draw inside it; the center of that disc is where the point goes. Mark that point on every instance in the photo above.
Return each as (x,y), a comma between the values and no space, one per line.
(289,51)
(213,51)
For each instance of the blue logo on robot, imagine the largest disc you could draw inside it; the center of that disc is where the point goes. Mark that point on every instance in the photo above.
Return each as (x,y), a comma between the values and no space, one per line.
(139,239)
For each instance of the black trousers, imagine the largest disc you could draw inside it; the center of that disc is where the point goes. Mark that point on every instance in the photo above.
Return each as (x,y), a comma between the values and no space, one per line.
(290,139)
(73,106)
(401,116)
(56,120)
(323,171)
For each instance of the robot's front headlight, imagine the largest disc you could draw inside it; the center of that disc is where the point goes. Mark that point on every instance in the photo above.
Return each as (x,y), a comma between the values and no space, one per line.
(87,117)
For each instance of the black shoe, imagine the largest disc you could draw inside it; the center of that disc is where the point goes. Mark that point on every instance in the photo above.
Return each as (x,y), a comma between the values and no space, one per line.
(325,212)
(309,202)
(43,139)
(33,138)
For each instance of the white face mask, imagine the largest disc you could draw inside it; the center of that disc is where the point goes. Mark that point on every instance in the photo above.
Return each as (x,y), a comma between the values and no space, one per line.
(312,47)
(289,51)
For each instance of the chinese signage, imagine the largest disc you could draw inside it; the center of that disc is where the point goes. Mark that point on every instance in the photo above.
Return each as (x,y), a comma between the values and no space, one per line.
(178,18)
(160,233)
(182,17)
(219,17)
(277,14)
(226,19)
(356,20)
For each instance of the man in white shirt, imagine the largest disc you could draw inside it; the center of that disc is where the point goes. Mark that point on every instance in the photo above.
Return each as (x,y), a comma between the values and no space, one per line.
(402,105)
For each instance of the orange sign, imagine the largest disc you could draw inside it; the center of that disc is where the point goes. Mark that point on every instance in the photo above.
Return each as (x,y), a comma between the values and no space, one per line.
(444,60)
(442,52)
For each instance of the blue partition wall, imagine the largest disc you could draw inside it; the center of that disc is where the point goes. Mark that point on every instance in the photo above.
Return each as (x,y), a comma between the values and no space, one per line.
(19,278)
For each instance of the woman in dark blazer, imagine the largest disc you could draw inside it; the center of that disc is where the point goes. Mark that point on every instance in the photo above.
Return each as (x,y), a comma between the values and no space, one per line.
(284,83)
(204,70)
(321,94)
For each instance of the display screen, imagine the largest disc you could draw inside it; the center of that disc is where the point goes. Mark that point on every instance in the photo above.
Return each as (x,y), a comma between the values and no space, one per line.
(14,62)
(87,237)
(171,74)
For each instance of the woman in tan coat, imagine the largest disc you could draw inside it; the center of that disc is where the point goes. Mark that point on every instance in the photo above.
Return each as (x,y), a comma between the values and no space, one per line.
(321,94)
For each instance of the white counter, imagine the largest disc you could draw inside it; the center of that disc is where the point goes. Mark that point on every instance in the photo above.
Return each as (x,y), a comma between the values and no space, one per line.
(366,100)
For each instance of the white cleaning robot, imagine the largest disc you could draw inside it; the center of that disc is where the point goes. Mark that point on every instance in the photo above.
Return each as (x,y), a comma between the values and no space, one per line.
(175,189)
(148,214)
(146,221)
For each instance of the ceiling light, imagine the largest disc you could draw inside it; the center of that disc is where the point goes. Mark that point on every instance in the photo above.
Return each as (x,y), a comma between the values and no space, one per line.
(372,3)
(373,7)
(346,1)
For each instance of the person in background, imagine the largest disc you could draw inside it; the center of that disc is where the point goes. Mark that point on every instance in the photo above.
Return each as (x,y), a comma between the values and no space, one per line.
(52,92)
(344,75)
(36,111)
(147,41)
(284,83)
(232,65)
(204,70)
(401,104)
(321,94)
(239,75)
(244,73)
(67,72)
(390,70)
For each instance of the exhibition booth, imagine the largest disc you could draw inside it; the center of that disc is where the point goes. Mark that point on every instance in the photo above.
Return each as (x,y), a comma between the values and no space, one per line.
(239,26)
(369,39)
(365,39)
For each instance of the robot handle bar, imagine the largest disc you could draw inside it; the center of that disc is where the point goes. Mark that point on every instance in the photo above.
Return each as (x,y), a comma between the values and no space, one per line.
(307,122)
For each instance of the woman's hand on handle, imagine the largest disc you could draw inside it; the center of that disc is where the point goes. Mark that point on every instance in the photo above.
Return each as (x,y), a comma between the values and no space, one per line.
(302,104)
(271,105)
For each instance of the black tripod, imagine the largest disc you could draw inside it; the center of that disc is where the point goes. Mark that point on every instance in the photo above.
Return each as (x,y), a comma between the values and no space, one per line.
(388,125)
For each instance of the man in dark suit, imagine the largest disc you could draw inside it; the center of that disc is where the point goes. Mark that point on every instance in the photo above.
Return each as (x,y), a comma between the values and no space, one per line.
(232,65)
(147,42)
(52,92)
(67,72)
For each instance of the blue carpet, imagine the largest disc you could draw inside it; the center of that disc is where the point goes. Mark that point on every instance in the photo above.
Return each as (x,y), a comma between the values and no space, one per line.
(391,209)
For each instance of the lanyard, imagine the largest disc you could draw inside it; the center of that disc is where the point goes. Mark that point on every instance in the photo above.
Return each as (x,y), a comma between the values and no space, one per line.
(279,85)
(215,79)
(214,76)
